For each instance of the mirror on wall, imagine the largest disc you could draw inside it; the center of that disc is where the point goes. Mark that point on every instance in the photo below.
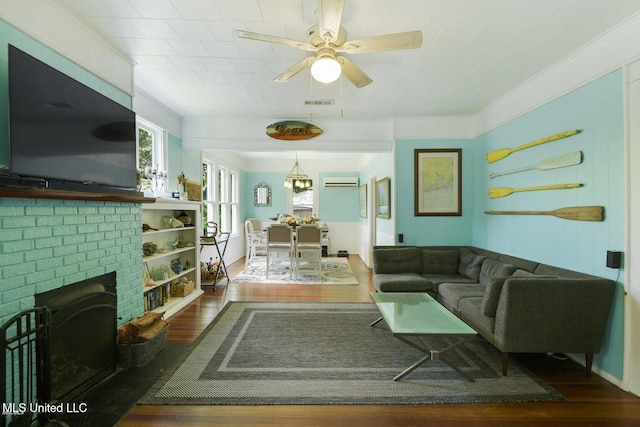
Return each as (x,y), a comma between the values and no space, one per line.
(262,195)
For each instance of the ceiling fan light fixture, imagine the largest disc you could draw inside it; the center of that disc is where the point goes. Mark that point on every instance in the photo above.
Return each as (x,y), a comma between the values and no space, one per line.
(326,69)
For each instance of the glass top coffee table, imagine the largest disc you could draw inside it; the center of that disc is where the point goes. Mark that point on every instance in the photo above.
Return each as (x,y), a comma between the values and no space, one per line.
(413,316)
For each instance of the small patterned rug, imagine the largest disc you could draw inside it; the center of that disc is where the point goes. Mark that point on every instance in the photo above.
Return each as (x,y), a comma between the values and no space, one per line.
(335,271)
(260,353)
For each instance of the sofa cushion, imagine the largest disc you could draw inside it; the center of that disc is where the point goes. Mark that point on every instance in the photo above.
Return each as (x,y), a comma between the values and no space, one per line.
(471,313)
(401,282)
(525,273)
(437,279)
(445,261)
(470,264)
(493,268)
(397,260)
(450,294)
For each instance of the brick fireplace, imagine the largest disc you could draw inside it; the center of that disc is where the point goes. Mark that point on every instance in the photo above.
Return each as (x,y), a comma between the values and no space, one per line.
(46,244)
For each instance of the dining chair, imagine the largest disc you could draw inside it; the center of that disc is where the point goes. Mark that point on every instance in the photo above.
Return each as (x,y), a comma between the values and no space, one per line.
(279,248)
(308,250)
(256,240)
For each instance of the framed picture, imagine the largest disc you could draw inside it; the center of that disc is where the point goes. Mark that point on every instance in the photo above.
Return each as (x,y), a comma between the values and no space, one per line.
(438,182)
(383,198)
(363,200)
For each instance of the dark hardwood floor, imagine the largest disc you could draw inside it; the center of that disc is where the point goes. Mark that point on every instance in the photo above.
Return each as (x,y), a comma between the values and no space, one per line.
(590,401)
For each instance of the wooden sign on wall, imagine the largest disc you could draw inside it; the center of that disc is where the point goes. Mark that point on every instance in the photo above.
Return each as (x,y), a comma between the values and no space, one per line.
(293,130)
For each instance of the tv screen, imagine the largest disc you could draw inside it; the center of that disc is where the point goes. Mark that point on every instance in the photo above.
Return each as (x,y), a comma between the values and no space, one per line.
(66,132)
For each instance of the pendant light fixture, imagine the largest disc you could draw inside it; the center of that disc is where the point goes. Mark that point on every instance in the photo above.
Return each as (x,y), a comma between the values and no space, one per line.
(297,179)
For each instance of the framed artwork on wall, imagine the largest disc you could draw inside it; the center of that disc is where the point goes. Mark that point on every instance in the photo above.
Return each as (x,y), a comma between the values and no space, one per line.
(438,182)
(383,198)
(362,193)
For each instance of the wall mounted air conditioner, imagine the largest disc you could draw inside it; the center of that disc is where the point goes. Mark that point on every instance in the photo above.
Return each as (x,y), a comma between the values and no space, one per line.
(341,182)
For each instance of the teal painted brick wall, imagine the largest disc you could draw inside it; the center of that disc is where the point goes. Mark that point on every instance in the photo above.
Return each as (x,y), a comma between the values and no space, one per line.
(46,244)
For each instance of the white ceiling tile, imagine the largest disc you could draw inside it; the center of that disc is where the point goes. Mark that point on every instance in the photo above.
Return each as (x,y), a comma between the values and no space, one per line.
(154,28)
(239,10)
(189,47)
(197,9)
(222,49)
(102,8)
(188,63)
(155,9)
(191,30)
(156,47)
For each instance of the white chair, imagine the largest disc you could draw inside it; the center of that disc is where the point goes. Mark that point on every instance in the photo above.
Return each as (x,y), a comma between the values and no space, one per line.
(256,240)
(279,248)
(308,251)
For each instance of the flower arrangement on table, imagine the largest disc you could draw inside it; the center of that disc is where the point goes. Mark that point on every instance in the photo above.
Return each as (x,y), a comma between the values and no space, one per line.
(295,220)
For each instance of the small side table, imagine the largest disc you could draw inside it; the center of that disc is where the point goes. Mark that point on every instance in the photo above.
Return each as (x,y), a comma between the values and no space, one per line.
(220,243)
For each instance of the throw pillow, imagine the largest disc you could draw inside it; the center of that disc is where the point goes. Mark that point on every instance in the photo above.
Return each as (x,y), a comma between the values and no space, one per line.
(494,268)
(470,264)
(491,296)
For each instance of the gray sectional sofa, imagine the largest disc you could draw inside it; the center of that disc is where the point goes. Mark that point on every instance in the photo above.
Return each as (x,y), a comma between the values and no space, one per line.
(519,306)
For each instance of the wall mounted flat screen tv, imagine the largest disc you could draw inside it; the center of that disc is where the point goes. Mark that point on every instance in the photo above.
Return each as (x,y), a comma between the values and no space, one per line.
(67,133)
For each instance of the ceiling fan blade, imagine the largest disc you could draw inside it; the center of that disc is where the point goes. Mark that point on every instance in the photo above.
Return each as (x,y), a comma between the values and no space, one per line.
(294,70)
(409,40)
(274,39)
(353,73)
(329,18)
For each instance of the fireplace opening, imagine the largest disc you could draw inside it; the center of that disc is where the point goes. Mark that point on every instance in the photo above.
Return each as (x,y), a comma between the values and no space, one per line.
(82,335)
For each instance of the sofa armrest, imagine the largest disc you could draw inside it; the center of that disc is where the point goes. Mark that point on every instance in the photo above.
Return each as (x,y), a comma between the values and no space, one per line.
(553,314)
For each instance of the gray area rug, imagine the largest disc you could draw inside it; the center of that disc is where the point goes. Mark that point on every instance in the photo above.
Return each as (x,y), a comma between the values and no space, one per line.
(257,353)
(335,271)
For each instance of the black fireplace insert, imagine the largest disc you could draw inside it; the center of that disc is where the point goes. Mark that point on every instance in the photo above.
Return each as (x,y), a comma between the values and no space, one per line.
(82,335)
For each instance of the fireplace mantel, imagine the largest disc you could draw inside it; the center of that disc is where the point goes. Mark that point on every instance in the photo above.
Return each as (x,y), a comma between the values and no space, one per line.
(45,193)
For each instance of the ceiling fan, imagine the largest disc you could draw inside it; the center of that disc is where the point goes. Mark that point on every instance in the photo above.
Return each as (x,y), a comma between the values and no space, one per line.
(327,39)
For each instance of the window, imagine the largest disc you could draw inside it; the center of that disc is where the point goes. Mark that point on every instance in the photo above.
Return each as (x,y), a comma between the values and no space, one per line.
(151,151)
(220,196)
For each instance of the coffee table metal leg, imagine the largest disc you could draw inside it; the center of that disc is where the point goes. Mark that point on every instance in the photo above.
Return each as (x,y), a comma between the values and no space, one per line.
(376,321)
(430,355)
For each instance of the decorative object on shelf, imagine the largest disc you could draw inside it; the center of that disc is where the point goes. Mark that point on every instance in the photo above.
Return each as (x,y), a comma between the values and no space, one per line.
(262,195)
(158,178)
(171,222)
(147,227)
(171,244)
(496,155)
(149,248)
(161,272)
(293,130)
(194,190)
(185,219)
(576,213)
(181,287)
(383,198)
(176,265)
(569,159)
(438,182)
(167,220)
(297,179)
(496,192)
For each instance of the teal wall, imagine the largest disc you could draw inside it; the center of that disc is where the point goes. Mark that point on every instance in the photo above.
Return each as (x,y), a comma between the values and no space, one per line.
(383,166)
(338,204)
(598,109)
(434,230)
(10,35)
(278,195)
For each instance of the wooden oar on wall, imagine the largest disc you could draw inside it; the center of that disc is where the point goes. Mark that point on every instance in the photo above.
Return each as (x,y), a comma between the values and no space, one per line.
(496,192)
(556,162)
(501,154)
(576,213)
